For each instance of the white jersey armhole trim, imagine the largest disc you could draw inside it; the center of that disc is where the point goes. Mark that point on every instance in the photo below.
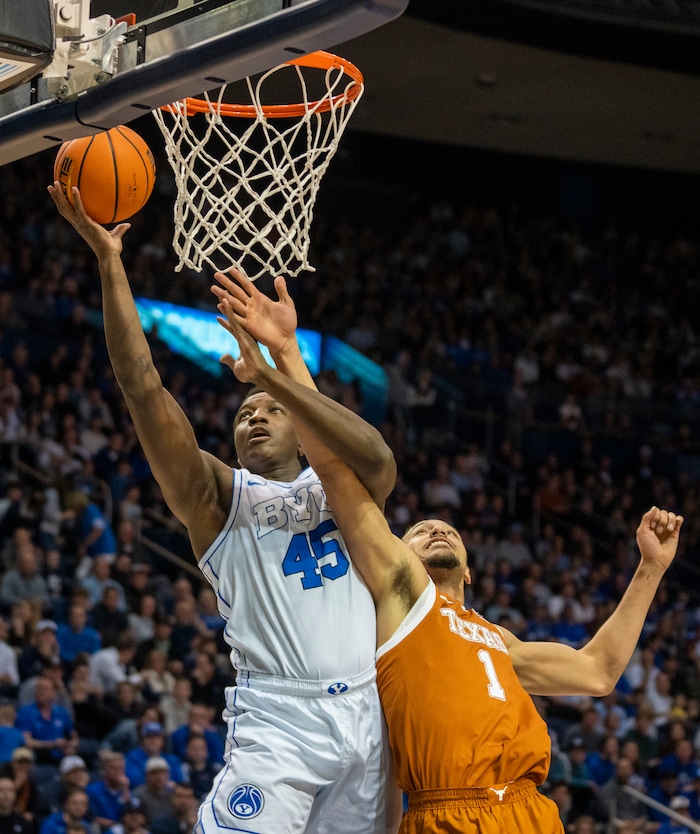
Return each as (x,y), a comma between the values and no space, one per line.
(415,616)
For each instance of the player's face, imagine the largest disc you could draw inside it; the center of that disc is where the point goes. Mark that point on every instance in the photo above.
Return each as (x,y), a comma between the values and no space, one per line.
(437,544)
(263,434)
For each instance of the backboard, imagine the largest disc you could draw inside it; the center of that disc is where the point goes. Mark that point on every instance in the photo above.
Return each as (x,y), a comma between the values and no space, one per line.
(171,50)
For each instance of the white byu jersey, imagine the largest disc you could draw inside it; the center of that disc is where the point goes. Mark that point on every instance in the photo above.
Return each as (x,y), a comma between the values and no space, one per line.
(293,604)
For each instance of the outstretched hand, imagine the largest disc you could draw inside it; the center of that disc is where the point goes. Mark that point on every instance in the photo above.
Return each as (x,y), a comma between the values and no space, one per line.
(657,536)
(273,323)
(100,240)
(250,365)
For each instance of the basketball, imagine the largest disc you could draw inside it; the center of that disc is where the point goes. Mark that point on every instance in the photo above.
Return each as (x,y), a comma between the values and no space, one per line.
(114,170)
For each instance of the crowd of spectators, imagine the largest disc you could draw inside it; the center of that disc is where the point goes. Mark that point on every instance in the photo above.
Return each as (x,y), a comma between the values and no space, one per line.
(539,400)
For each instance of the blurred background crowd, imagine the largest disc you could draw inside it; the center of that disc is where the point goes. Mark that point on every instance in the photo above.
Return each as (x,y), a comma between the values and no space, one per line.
(543,393)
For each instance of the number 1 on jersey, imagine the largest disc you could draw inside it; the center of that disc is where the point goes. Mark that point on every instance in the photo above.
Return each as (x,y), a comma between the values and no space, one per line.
(494,688)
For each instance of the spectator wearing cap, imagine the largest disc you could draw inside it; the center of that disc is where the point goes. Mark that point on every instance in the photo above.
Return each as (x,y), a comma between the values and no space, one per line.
(76,636)
(43,648)
(152,744)
(72,775)
(584,791)
(132,819)
(111,794)
(29,799)
(47,726)
(10,737)
(156,793)
(75,810)
(681,805)
(127,734)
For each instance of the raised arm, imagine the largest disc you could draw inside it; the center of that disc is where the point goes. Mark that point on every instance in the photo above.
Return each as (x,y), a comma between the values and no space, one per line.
(393,574)
(273,324)
(191,480)
(595,669)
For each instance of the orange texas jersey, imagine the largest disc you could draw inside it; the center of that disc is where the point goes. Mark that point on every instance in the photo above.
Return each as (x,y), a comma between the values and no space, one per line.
(457,714)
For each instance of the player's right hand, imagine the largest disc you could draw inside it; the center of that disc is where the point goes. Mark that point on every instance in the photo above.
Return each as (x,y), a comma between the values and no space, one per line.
(100,240)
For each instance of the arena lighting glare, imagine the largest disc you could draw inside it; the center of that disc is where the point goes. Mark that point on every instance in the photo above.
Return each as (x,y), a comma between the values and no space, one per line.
(197,335)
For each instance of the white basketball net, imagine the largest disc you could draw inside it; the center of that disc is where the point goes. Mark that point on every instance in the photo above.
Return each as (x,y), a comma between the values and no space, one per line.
(247,198)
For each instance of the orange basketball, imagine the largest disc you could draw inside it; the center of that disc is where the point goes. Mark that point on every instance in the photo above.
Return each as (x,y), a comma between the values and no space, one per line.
(115,172)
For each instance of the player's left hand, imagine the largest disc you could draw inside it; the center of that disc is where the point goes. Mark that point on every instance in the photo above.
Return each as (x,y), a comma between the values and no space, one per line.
(273,323)
(250,365)
(657,536)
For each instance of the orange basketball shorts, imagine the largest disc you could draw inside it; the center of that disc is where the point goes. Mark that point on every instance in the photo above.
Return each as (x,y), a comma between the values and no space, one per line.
(513,808)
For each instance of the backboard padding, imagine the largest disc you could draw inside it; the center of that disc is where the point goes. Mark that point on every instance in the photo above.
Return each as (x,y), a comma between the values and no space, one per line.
(197,53)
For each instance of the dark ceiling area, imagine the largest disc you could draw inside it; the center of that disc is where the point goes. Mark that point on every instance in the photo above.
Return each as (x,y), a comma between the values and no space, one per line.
(614,83)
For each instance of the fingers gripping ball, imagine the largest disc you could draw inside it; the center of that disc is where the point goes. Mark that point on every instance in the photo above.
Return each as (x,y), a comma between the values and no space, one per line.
(114,170)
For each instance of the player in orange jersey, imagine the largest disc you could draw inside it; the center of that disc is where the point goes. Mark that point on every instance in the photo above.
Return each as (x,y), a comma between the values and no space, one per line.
(468,745)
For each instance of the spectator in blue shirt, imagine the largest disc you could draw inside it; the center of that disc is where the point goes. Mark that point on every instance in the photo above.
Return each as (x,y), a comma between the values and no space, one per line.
(568,630)
(76,636)
(680,805)
(692,794)
(152,745)
(682,762)
(663,792)
(47,727)
(93,533)
(10,737)
(198,723)
(72,775)
(110,795)
(75,810)
(198,767)
(602,763)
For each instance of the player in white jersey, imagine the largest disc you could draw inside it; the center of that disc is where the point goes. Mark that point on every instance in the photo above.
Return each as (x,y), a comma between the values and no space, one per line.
(306,751)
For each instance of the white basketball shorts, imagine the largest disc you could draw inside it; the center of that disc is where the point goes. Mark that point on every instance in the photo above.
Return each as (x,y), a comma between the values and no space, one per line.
(303,756)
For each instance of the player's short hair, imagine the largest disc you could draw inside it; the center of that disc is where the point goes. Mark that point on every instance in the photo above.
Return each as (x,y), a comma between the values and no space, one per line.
(251,393)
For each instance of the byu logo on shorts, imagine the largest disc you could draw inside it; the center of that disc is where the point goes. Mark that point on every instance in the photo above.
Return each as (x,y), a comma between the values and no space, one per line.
(246,801)
(337,688)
